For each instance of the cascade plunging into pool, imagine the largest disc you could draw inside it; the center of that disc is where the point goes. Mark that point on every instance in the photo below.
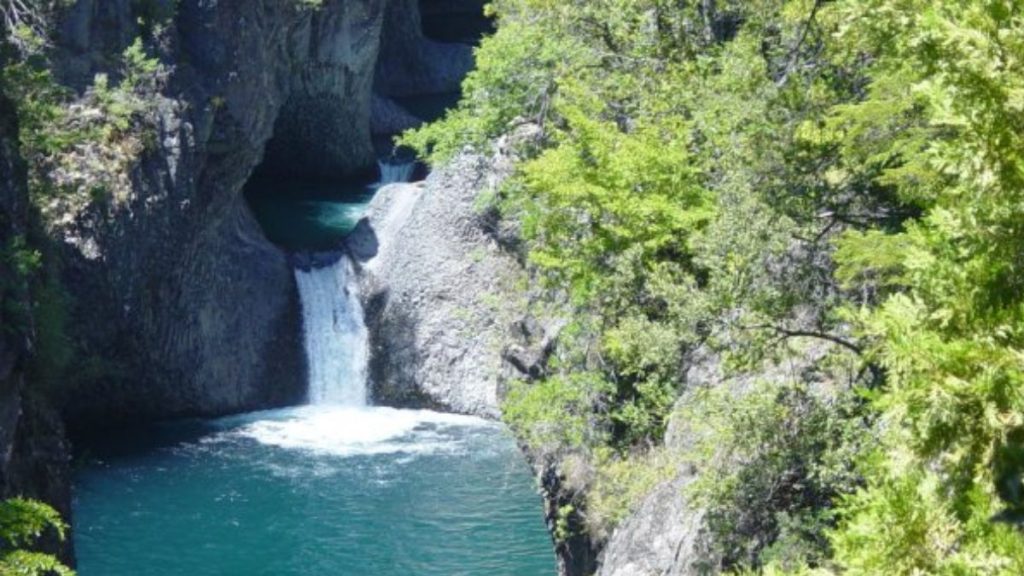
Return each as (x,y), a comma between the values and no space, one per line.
(337,346)
(394,172)
(335,335)
(334,487)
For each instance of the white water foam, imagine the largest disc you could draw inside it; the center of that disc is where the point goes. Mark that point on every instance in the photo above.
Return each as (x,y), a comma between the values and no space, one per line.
(351,431)
(335,335)
(338,421)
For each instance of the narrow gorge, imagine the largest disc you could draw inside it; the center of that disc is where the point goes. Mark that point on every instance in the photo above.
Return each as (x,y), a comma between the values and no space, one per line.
(223,277)
(512,287)
(336,486)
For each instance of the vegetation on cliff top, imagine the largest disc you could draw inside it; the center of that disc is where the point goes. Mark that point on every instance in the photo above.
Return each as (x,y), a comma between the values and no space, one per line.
(747,182)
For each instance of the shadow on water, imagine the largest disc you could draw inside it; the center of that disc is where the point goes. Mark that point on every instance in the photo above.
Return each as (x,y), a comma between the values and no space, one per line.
(138,440)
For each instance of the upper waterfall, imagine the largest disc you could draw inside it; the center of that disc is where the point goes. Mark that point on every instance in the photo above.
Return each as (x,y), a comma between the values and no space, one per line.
(391,173)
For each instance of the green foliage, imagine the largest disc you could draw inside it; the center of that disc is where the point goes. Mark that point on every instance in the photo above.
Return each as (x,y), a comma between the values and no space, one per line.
(513,82)
(677,201)
(557,415)
(53,349)
(28,26)
(951,342)
(39,100)
(22,522)
(20,262)
(907,525)
(772,462)
(562,531)
(76,146)
(621,483)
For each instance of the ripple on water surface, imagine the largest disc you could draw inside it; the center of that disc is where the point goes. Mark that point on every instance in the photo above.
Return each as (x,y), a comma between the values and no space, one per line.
(314,491)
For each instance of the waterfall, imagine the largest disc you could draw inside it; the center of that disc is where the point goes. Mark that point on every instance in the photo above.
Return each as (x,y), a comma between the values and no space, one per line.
(392,173)
(337,350)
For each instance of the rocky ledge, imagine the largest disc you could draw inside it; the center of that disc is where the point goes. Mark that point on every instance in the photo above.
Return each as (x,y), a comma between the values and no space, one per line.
(439,291)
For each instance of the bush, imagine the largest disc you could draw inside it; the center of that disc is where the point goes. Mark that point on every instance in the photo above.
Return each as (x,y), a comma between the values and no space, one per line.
(772,461)
(621,484)
(558,415)
(22,522)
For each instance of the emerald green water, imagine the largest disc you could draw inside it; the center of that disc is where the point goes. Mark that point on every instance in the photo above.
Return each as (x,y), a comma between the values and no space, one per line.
(312,491)
(308,216)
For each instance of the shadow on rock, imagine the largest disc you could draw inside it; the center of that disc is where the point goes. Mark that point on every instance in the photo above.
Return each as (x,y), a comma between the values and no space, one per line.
(362,242)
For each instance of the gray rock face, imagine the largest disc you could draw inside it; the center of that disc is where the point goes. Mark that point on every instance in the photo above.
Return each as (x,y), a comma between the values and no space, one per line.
(659,538)
(439,292)
(388,118)
(34,455)
(190,309)
(412,64)
(323,127)
(664,536)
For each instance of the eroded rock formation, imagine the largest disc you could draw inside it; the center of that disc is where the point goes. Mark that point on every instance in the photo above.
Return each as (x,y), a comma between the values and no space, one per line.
(182,303)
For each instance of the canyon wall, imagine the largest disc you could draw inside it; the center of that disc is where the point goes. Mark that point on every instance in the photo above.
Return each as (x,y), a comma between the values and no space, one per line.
(187,308)
(181,305)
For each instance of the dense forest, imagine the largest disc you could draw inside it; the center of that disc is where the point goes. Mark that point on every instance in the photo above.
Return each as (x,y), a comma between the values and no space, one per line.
(832,184)
(783,241)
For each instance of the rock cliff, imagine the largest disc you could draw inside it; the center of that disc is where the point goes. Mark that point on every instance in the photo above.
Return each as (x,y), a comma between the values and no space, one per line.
(666,535)
(440,293)
(184,307)
(34,456)
(189,308)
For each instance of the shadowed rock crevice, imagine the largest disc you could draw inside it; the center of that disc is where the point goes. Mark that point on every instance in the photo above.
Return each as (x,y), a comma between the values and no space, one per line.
(323,130)
(34,454)
(426,52)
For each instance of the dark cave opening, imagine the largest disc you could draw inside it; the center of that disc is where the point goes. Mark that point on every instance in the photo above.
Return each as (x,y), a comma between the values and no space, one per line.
(451,21)
(319,172)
